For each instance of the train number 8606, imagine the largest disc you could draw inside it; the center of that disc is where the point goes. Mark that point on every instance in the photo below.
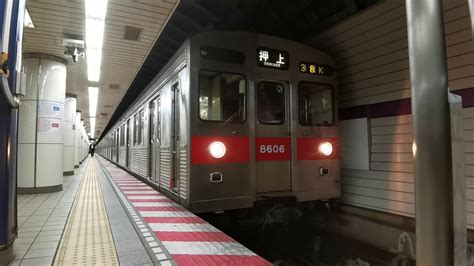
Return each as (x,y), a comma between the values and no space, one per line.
(272,148)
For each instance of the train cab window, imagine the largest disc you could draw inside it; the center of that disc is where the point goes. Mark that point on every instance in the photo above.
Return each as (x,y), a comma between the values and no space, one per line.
(315,104)
(270,103)
(222,96)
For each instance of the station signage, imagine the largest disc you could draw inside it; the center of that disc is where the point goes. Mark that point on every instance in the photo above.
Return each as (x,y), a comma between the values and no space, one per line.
(315,69)
(272,58)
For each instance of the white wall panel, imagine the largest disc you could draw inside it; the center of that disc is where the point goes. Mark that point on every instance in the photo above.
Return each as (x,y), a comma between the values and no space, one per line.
(468,114)
(371,53)
(354,144)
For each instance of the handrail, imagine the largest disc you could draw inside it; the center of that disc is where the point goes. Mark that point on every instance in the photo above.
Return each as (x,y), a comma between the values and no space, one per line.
(13,101)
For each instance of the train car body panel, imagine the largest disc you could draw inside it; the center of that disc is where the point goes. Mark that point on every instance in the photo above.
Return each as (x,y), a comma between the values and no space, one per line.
(234,118)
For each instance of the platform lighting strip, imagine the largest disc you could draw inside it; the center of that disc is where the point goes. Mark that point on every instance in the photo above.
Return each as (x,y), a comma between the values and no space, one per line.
(95,22)
(93,98)
(95,11)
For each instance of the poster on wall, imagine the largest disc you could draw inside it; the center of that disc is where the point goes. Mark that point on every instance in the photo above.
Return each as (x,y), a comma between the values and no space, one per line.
(47,109)
(50,116)
(50,126)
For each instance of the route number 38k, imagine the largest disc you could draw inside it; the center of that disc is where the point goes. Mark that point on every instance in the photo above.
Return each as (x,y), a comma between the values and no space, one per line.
(272,149)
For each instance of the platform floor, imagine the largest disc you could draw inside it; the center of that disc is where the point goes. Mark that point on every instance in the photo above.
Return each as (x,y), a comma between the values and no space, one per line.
(87,238)
(41,221)
(174,233)
(106,216)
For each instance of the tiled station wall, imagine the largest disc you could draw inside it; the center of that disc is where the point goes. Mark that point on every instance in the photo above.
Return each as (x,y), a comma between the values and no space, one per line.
(371,52)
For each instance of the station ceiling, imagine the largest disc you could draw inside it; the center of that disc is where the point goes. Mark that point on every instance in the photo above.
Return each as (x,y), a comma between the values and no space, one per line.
(129,65)
(296,20)
(122,59)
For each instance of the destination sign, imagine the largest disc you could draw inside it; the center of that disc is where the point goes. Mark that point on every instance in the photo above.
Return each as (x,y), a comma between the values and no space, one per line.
(272,58)
(315,69)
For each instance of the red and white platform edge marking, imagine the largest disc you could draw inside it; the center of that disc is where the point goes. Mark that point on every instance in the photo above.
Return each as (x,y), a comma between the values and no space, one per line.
(189,239)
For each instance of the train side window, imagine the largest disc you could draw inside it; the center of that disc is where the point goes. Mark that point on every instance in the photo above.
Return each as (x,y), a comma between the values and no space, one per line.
(121,135)
(141,124)
(135,129)
(222,96)
(315,104)
(270,103)
(158,119)
(124,134)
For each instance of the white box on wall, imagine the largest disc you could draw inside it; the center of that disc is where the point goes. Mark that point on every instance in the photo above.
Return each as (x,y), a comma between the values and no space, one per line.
(354,134)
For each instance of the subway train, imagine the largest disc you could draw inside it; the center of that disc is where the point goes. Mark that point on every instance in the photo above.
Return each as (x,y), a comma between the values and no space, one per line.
(232,119)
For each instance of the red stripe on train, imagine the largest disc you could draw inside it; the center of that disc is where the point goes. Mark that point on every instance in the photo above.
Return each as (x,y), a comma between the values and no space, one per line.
(237,150)
(273,148)
(188,260)
(308,148)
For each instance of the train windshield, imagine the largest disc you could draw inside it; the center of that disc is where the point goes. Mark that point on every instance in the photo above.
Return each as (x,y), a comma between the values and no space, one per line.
(222,96)
(315,104)
(271,103)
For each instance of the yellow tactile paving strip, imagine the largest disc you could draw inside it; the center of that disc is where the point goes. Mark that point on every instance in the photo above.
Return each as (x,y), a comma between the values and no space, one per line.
(87,239)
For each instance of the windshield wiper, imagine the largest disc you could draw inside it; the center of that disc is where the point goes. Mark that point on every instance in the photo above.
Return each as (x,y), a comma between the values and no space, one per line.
(233,116)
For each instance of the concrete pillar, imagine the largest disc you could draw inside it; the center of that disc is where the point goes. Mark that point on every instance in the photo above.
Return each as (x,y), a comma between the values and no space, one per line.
(69,117)
(77,140)
(41,125)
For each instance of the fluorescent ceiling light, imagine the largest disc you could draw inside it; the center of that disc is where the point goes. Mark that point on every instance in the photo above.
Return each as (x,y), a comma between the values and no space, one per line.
(27,22)
(93,98)
(92,122)
(95,22)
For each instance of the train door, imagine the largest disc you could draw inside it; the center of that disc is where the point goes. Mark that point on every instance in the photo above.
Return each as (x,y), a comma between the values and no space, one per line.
(175,100)
(127,145)
(155,128)
(273,139)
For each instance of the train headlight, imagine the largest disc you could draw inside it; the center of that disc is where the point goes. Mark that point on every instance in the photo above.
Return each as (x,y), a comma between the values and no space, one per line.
(325,148)
(217,149)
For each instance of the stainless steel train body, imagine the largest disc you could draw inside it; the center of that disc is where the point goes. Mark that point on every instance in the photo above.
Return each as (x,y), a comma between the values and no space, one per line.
(234,118)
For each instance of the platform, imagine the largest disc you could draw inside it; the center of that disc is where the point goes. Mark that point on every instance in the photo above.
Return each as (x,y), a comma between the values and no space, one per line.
(173,233)
(106,216)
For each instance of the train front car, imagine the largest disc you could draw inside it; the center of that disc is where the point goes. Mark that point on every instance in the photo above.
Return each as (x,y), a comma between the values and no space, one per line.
(263,121)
